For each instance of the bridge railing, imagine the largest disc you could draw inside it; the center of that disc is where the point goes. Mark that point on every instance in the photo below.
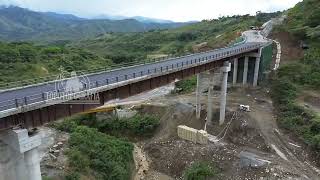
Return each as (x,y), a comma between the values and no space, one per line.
(193,61)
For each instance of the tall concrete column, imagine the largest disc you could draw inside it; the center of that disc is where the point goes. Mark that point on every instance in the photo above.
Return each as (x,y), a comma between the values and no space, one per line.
(7,170)
(256,72)
(245,70)
(32,161)
(223,96)
(235,71)
(24,158)
(210,98)
(198,96)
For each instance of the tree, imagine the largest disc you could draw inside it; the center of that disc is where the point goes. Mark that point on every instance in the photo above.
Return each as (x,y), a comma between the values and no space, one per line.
(27,53)
(8,55)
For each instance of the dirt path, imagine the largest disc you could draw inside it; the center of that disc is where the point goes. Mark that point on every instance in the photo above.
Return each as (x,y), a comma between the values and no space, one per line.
(141,163)
(263,114)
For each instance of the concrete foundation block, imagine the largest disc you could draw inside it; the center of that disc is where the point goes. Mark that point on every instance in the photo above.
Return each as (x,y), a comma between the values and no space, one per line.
(193,135)
(202,137)
(187,133)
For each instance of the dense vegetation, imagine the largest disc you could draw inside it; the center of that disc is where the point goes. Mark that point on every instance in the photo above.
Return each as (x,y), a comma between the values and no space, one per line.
(18,24)
(136,46)
(200,171)
(94,153)
(21,61)
(303,22)
(138,125)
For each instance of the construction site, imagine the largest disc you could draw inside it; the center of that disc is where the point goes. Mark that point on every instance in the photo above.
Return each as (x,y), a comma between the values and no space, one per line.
(249,145)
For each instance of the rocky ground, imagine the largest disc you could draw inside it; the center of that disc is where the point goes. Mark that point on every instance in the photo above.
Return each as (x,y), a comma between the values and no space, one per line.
(52,152)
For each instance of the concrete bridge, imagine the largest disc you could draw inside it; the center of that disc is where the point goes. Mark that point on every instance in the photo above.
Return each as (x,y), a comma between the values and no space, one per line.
(34,105)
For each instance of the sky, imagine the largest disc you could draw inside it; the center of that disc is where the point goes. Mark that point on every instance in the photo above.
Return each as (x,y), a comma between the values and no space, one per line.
(176,10)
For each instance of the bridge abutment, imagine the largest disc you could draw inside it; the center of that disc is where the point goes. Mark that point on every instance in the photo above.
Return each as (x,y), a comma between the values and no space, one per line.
(19,155)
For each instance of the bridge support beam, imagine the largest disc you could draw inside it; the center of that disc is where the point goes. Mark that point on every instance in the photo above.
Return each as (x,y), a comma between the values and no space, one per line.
(256,71)
(210,98)
(198,96)
(223,96)
(235,71)
(19,155)
(245,70)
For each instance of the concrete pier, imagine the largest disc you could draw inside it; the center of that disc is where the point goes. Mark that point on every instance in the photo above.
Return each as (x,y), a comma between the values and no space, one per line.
(256,72)
(223,96)
(198,96)
(235,71)
(7,162)
(210,98)
(245,70)
(19,155)
(32,161)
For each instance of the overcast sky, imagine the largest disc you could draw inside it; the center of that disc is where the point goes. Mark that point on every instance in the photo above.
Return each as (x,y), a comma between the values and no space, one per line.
(177,10)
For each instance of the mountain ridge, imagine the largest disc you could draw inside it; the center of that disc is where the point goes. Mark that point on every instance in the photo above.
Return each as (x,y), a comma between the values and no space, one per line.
(20,24)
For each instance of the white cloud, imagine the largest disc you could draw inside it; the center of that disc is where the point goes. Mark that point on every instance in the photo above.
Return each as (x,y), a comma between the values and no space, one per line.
(178,10)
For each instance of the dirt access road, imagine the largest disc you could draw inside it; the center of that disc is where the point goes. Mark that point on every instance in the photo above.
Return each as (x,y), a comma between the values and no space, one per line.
(291,153)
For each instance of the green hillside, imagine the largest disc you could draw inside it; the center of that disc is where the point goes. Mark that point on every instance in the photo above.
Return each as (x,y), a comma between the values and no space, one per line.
(124,47)
(22,61)
(304,21)
(293,79)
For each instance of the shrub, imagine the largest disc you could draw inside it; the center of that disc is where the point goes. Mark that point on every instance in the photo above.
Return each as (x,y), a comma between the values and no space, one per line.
(316,141)
(73,176)
(67,125)
(315,126)
(78,161)
(187,85)
(143,125)
(283,91)
(109,157)
(200,171)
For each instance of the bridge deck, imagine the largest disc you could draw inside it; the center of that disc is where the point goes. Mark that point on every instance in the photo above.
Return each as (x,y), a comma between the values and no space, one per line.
(24,96)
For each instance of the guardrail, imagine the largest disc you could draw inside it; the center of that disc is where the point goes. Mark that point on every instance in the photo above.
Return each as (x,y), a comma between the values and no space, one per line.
(41,97)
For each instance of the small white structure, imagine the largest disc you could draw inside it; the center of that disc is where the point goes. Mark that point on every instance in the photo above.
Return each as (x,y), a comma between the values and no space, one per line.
(245,108)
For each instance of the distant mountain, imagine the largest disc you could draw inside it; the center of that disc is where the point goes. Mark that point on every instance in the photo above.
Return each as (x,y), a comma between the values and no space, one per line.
(19,24)
(138,18)
(151,20)
(110,17)
(63,16)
